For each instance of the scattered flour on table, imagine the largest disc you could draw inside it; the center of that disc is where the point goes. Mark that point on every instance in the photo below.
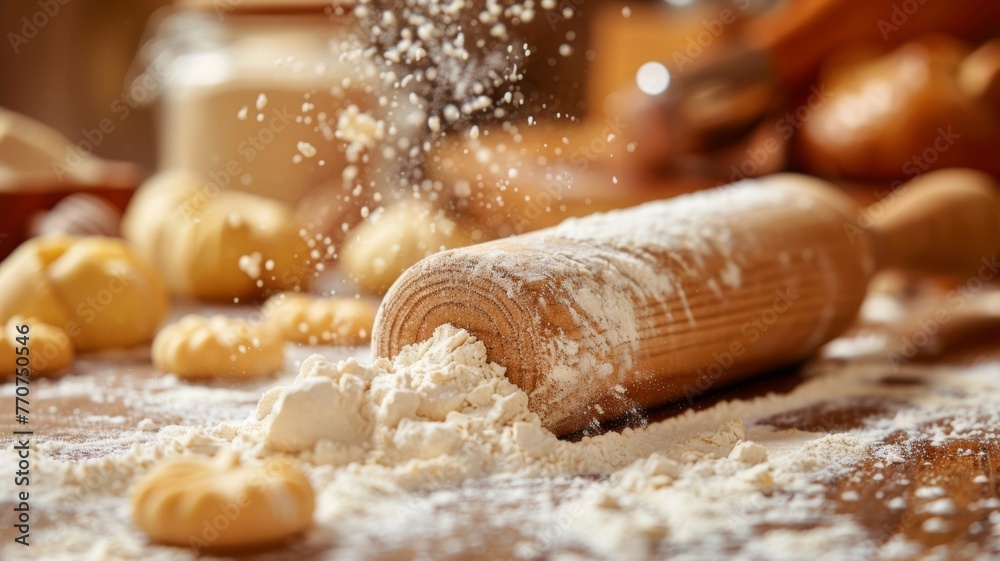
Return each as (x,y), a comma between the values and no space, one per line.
(385,444)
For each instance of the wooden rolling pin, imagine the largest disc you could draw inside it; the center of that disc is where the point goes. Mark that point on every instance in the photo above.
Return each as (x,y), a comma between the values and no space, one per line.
(613,313)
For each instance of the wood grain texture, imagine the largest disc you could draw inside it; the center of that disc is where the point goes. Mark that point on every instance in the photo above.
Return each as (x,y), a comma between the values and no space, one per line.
(760,276)
(946,221)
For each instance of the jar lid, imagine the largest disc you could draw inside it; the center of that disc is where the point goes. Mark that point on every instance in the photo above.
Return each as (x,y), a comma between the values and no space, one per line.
(223,7)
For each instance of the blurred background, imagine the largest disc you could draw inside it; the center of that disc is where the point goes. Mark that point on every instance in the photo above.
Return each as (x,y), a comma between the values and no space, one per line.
(587,105)
(70,72)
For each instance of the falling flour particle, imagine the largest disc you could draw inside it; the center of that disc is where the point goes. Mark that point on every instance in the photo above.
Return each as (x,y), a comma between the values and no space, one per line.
(929,492)
(939,506)
(306,149)
(250,264)
(451,113)
(359,128)
(350,173)
(936,525)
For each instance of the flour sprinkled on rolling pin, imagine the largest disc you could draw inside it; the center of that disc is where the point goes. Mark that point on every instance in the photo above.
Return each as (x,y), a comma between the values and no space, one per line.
(627,310)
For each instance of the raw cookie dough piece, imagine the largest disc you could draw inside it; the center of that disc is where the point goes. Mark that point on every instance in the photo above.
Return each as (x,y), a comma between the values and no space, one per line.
(179,501)
(313,321)
(216,244)
(380,249)
(49,348)
(95,288)
(202,347)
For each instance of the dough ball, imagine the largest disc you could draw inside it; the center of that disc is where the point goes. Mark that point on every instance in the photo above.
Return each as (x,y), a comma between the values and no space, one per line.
(157,202)
(49,347)
(96,289)
(317,321)
(24,282)
(118,298)
(217,244)
(380,249)
(199,347)
(219,503)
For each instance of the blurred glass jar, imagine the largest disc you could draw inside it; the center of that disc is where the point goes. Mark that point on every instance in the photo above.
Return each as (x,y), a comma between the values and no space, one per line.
(250,93)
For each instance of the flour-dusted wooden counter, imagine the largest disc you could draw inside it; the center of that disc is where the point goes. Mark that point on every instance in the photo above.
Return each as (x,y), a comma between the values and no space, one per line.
(925,483)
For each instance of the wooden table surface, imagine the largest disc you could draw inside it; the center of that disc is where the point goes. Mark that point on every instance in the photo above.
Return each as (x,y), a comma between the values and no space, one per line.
(86,411)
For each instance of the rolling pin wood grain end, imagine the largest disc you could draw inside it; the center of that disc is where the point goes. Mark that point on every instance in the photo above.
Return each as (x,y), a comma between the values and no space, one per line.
(630,309)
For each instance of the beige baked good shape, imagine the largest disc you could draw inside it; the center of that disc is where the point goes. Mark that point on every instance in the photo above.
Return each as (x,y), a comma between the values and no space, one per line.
(387,243)
(49,348)
(208,347)
(216,244)
(925,105)
(96,289)
(29,149)
(219,503)
(333,320)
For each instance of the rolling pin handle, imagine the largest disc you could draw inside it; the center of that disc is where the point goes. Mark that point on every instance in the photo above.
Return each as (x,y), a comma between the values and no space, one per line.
(945,221)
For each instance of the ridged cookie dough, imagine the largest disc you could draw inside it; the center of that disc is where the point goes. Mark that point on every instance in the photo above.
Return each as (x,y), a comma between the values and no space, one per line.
(220,503)
(216,244)
(199,347)
(49,348)
(96,289)
(314,321)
